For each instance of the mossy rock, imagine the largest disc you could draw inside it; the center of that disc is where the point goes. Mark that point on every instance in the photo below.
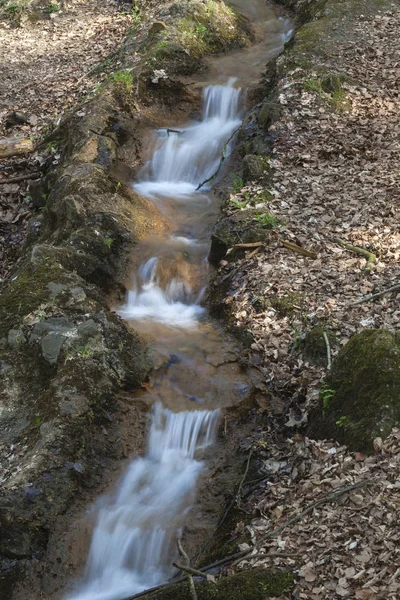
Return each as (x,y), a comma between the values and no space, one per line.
(313,345)
(365,382)
(269,113)
(256,167)
(232,230)
(254,584)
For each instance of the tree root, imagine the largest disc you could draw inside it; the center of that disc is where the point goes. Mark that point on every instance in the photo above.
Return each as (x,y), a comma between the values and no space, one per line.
(369,256)
(393,288)
(35,175)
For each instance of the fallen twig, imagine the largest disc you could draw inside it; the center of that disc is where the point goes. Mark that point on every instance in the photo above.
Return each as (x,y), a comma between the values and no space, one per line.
(221,161)
(172,131)
(186,558)
(370,256)
(369,297)
(328,350)
(35,175)
(189,570)
(295,248)
(249,245)
(265,556)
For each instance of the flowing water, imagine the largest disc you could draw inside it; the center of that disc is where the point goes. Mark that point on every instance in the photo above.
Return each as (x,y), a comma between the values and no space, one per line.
(134,540)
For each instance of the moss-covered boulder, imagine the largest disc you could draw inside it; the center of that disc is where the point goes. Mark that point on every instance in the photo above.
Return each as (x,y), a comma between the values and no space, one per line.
(256,167)
(255,584)
(360,399)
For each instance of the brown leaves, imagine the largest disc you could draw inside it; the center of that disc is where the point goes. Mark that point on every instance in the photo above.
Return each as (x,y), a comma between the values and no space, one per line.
(348,548)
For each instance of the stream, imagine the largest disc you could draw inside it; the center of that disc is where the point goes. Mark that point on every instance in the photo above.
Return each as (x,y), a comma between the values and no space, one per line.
(195,374)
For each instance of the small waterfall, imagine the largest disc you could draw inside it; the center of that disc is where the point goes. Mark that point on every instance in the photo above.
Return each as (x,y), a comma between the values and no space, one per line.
(187,158)
(182,161)
(134,540)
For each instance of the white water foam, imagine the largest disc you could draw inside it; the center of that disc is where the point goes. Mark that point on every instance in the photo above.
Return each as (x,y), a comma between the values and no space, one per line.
(173,305)
(134,540)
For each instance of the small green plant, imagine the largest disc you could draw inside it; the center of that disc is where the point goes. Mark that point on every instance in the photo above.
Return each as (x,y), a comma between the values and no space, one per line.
(238,183)
(161,45)
(341,421)
(201,30)
(52,7)
(50,146)
(108,242)
(118,186)
(27,199)
(124,79)
(238,204)
(329,88)
(12,9)
(267,220)
(326,395)
(85,352)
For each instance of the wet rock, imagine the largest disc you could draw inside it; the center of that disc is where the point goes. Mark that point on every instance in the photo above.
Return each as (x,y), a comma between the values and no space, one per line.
(51,345)
(360,398)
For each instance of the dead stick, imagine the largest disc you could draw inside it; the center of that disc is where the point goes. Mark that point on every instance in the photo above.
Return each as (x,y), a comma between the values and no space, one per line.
(328,350)
(298,249)
(192,587)
(393,288)
(370,256)
(256,251)
(249,245)
(265,556)
(221,160)
(35,175)
(189,570)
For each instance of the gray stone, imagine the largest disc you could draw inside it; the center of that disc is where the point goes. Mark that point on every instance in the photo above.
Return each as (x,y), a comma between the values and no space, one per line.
(16,338)
(88,329)
(51,346)
(56,288)
(57,324)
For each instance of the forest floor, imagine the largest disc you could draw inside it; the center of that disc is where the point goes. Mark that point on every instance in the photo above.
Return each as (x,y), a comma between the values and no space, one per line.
(46,62)
(335,177)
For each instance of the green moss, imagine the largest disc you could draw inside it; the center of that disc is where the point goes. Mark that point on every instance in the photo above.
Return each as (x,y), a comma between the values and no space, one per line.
(329,88)
(366,379)
(255,584)
(286,306)
(27,292)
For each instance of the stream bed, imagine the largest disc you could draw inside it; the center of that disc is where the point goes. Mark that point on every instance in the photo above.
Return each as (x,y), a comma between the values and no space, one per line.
(195,374)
